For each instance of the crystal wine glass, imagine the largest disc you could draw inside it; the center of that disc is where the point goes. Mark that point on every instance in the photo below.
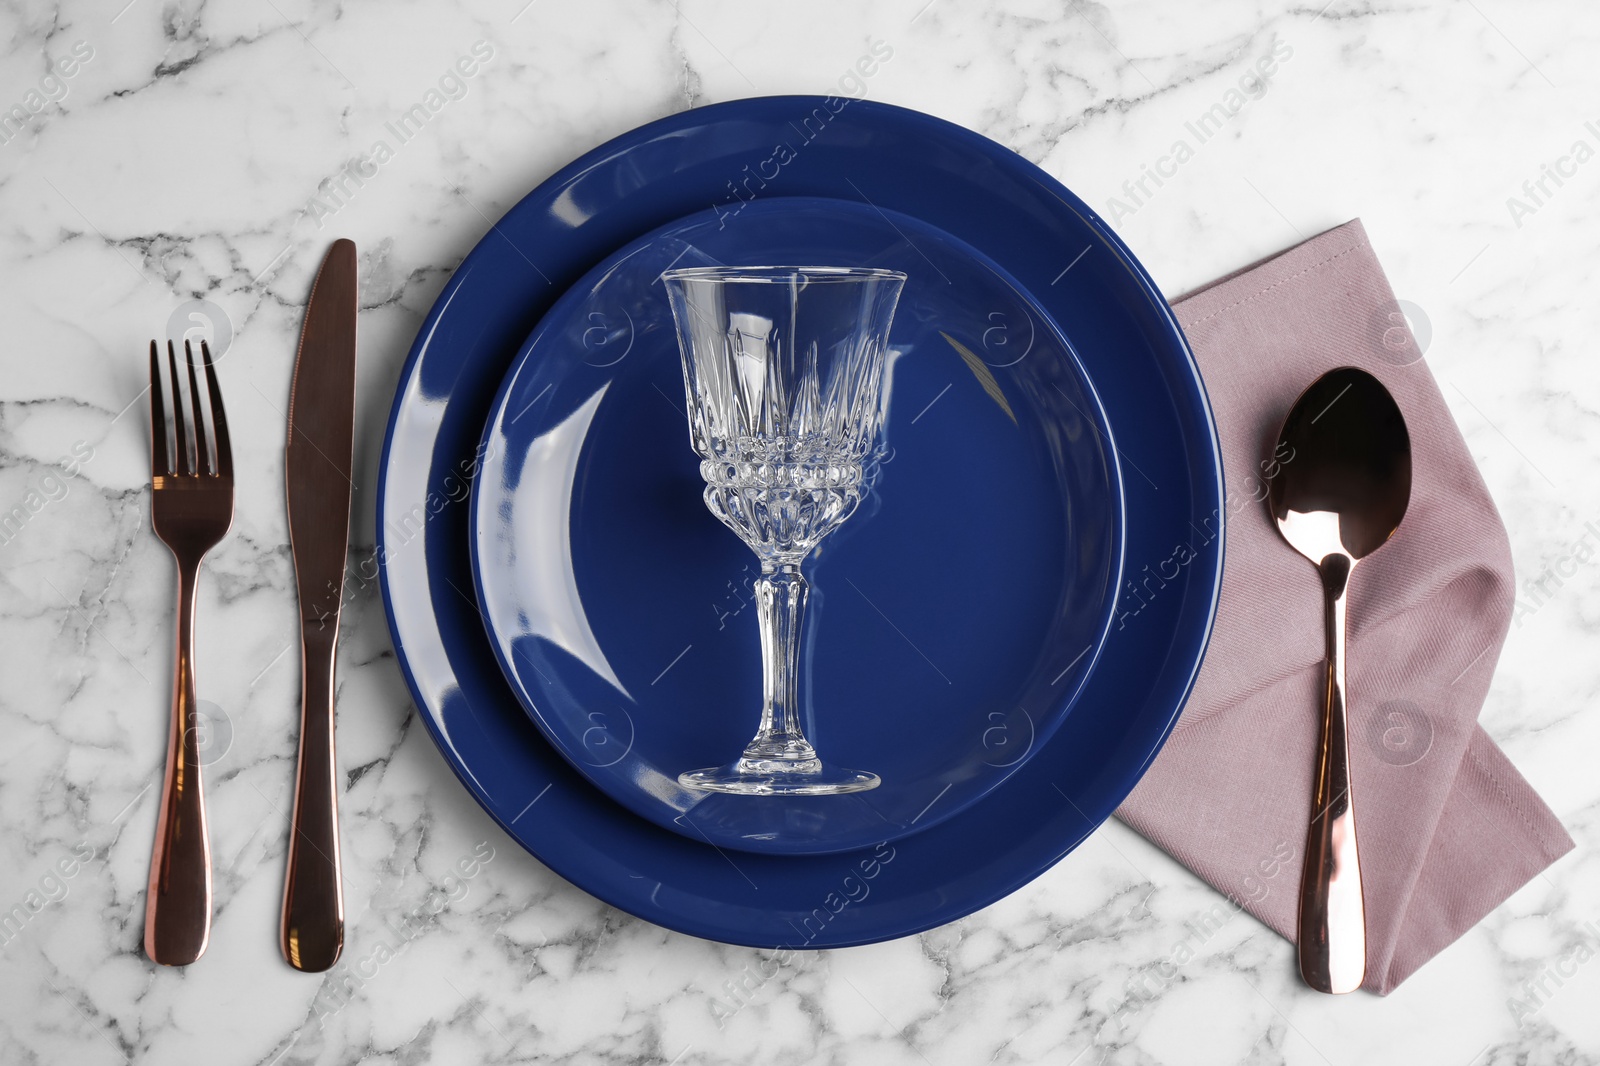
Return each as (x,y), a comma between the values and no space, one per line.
(783,372)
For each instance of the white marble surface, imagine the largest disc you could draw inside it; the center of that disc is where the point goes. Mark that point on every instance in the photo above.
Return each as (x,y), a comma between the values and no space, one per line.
(179,161)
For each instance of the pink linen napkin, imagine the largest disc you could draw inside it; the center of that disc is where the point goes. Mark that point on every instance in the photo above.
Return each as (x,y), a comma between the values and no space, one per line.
(1448,828)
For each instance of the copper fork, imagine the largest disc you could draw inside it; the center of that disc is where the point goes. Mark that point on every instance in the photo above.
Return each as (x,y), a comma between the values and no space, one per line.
(191,508)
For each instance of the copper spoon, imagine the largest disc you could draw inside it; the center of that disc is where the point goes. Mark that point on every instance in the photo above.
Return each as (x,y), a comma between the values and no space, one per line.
(1338,497)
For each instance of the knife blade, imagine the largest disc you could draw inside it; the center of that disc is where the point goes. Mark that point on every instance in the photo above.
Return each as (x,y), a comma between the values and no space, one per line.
(318,460)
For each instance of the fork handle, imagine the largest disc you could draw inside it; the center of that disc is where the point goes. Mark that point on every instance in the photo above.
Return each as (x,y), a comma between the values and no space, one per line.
(177,914)
(313,899)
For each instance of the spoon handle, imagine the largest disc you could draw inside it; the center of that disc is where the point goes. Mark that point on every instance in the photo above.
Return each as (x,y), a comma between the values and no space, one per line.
(1333,935)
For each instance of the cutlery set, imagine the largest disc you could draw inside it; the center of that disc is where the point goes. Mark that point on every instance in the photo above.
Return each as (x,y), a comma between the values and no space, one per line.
(191,510)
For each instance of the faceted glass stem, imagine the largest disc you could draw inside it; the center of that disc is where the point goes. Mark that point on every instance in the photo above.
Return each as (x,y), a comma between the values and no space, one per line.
(780,744)
(783,372)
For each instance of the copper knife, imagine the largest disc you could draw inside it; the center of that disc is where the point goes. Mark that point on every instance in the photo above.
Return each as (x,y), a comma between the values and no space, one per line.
(318,463)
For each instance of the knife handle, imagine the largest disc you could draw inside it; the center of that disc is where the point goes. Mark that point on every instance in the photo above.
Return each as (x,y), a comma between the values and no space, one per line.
(177,911)
(313,900)
(1332,934)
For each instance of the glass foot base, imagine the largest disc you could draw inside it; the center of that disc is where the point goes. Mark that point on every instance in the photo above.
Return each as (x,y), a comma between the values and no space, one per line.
(768,777)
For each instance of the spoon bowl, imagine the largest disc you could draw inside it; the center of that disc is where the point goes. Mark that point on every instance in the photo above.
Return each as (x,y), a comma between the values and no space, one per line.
(1347,482)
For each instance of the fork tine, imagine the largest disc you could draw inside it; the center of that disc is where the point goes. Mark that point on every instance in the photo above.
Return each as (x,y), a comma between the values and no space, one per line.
(159,467)
(182,434)
(202,454)
(219,419)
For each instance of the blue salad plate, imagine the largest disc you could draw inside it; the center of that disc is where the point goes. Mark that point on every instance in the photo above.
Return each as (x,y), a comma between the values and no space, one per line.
(991,634)
(953,619)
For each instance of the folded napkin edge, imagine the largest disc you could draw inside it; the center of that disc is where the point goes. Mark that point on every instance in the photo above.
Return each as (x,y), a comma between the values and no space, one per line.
(1314,249)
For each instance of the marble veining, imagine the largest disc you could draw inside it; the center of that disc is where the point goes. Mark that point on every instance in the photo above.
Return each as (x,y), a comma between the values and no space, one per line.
(156,153)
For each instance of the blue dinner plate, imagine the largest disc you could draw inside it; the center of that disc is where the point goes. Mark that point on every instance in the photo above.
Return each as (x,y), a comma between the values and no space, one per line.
(952,620)
(722,158)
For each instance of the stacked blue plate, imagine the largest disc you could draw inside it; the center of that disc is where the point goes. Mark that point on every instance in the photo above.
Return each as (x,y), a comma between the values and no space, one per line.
(990,633)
